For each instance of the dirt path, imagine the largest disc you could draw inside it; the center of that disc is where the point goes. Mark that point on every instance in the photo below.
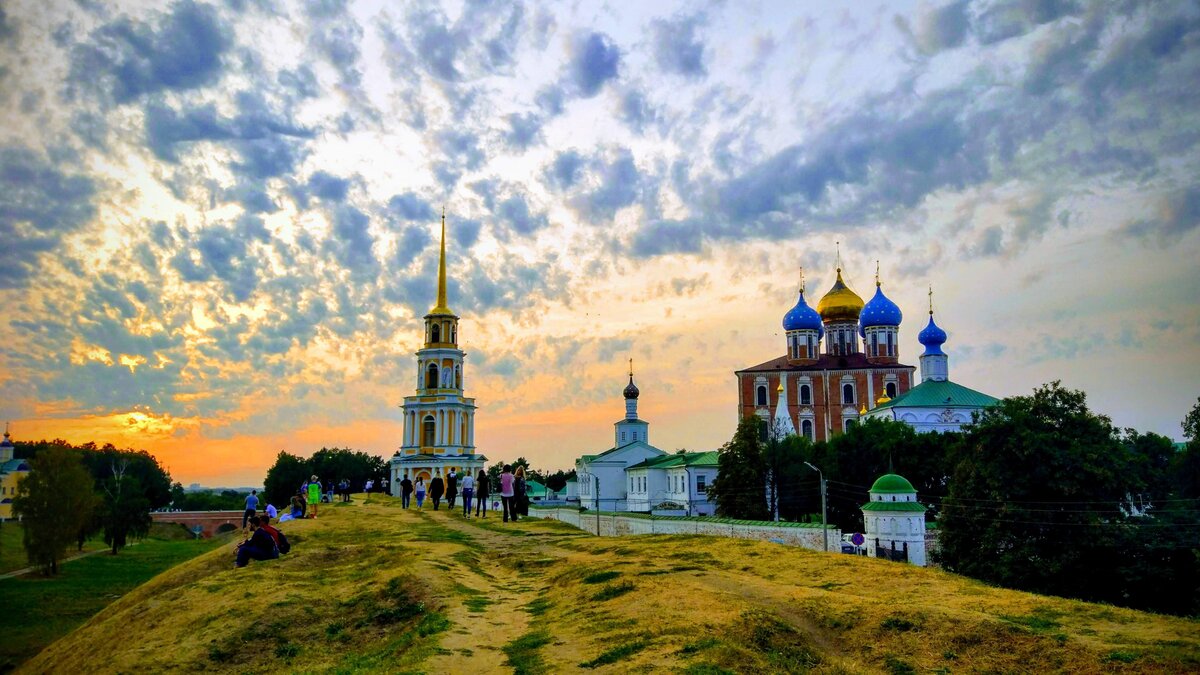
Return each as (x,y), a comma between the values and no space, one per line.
(484,622)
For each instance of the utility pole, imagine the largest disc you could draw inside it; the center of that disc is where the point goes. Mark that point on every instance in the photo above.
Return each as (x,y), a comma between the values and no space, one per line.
(824,513)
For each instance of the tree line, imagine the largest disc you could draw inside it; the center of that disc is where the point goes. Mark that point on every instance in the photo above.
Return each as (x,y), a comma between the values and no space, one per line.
(74,492)
(1039,493)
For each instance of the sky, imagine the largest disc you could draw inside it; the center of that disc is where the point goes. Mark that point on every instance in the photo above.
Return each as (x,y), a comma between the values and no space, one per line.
(218,222)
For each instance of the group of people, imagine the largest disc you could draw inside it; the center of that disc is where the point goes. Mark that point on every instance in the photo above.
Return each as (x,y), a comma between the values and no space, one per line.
(475,492)
(265,541)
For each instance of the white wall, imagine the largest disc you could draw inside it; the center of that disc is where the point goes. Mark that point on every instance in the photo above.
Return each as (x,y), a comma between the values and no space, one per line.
(613,525)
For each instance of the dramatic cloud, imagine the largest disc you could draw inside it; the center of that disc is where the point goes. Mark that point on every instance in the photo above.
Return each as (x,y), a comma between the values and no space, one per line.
(181,50)
(39,204)
(677,50)
(593,61)
(224,217)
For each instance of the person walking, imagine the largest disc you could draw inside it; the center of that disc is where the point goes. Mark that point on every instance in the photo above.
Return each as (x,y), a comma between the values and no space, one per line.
(251,507)
(406,488)
(506,492)
(521,492)
(468,486)
(437,488)
(314,495)
(483,490)
(384,485)
(420,489)
(451,488)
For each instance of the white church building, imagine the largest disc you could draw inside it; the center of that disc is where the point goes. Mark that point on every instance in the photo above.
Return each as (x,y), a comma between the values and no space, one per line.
(602,478)
(937,404)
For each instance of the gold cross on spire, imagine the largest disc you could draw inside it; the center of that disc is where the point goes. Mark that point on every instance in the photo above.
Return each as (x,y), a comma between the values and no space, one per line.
(838,248)
(930,299)
(877,274)
(801,278)
(631,369)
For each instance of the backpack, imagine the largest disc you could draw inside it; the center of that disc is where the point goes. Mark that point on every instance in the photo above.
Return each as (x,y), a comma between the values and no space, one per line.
(284,546)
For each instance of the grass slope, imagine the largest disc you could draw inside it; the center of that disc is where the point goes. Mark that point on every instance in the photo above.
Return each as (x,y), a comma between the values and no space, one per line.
(376,588)
(36,610)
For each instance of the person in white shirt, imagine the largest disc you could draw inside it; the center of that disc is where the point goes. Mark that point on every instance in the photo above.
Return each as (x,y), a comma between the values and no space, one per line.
(272,513)
(468,491)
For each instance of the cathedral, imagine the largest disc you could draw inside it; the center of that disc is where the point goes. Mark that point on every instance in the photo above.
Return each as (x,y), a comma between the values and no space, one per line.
(828,380)
(439,422)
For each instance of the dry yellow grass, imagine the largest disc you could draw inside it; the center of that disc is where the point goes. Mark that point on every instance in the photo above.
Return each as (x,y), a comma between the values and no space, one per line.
(375,588)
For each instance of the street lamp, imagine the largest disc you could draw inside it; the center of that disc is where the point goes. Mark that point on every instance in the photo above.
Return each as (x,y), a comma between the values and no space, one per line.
(824,517)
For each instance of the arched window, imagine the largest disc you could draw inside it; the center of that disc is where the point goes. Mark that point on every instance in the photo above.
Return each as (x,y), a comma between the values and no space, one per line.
(874,344)
(453,334)
(458,377)
(891,389)
(891,351)
(428,430)
(849,424)
(847,393)
(435,333)
(431,376)
(761,396)
(806,429)
(805,395)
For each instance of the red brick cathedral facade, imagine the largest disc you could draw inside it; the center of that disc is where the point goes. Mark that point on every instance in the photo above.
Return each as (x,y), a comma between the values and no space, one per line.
(842,359)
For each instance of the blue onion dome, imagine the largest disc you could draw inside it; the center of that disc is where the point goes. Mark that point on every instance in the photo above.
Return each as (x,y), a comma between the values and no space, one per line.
(802,317)
(879,311)
(932,336)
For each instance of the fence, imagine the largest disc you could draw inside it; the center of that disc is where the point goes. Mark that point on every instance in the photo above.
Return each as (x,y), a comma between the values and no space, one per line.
(616,524)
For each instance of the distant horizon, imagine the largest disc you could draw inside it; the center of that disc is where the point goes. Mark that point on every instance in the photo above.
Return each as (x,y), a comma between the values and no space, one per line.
(221,219)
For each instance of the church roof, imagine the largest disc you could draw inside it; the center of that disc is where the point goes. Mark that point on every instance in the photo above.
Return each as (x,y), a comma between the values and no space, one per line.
(890,483)
(677,460)
(825,362)
(612,451)
(939,394)
(13,465)
(420,458)
(894,506)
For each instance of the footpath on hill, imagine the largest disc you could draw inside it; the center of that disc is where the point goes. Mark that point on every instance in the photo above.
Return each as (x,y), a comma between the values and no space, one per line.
(371,587)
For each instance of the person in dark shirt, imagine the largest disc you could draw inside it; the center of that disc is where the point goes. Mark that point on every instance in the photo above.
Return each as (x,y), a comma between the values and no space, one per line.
(406,490)
(451,488)
(437,487)
(483,490)
(260,546)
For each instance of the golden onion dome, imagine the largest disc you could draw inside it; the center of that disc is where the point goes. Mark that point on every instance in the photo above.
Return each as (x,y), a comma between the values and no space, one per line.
(840,303)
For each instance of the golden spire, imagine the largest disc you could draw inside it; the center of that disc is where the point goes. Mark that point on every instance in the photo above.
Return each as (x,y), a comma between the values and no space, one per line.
(801,278)
(779,389)
(631,369)
(838,248)
(442,308)
(930,299)
(863,411)
(876,274)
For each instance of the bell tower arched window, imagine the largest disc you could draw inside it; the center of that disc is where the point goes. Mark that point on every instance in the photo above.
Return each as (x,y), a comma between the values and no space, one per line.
(847,393)
(761,395)
(806,429)
(805,395)
(435,334)
(891,390)
(431,376)
(428,429)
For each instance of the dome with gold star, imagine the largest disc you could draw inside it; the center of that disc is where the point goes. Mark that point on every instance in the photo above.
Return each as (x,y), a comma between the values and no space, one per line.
(840,303)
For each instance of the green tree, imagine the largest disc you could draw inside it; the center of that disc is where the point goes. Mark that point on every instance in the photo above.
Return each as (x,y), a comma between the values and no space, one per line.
(740,487)
(1191,423)
(285,477)
(53,500)
(126,508)
(1041,501)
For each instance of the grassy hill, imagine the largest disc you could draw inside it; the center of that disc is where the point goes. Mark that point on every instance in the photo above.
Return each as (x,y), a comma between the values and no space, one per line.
(373,587)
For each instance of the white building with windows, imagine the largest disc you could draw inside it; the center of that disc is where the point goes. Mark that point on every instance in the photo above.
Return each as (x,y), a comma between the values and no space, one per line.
(937,404)
(673,482)
(439,421)
(602,483)
(895,521)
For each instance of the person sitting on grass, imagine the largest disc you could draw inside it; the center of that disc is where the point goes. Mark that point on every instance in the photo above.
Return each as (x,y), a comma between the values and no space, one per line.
(260,546)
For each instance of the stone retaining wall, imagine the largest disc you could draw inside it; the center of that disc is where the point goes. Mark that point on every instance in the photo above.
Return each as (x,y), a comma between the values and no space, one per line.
(610,524)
